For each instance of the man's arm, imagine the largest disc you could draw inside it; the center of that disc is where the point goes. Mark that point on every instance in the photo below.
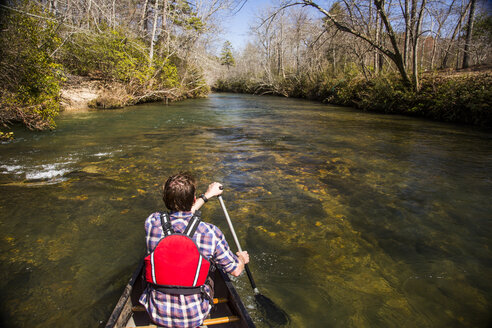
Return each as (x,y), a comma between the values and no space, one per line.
(243,258)
(212,191)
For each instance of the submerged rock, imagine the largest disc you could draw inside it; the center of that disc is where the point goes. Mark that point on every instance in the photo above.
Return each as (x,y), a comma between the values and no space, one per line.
(91,169)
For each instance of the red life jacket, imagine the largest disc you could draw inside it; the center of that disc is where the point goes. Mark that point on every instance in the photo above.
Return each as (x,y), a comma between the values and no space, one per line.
(176,265)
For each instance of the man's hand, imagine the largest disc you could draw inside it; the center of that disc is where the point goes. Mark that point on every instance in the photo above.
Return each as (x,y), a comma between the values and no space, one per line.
(243,258)
(214,189)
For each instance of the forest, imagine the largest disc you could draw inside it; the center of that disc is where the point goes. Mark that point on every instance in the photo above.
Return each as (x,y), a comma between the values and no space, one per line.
(428,58)
(414,57)
(138,51)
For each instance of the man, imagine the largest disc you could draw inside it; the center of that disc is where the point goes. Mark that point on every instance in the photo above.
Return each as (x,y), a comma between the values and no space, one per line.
(170,310)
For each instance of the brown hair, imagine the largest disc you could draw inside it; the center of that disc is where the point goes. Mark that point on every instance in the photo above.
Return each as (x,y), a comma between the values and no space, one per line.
(179,192)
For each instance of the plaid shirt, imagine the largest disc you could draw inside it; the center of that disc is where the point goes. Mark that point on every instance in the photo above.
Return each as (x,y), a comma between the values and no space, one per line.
(185,310)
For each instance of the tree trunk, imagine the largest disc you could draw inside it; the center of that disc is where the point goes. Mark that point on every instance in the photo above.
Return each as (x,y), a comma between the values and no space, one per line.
(113,15)
(444,62)
(53,7)
(469,31)
(154,29)
(165,28)
(280,47)
(381,43)
(434,46)
(406,44)
(437,37)
(143,21)
(334,61)
(377,40)
(89,5)
(416,36)
(395,55)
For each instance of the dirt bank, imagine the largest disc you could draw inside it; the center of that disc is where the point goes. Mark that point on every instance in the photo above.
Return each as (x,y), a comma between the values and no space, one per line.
(77,92)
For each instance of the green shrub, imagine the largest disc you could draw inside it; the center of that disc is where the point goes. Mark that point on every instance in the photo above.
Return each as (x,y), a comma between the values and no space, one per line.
(29,76)
(461,99)
(116,58)
(109,54)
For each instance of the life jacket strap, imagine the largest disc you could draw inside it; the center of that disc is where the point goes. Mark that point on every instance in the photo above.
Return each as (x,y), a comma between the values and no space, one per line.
(167,227)
(193,225)
(179,290)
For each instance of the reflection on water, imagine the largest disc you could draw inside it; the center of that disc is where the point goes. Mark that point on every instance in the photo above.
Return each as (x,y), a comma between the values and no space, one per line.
(351,219)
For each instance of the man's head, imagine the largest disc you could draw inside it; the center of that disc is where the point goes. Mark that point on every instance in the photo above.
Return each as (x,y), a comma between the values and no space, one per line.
(179,192)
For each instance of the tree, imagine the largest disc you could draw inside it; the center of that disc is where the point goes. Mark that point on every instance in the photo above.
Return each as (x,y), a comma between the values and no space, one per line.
(29,76)
(149,49)
(226,57)
(394,53)
(469,32)
(451,39)
(482,37)
(396,29)
(153,35)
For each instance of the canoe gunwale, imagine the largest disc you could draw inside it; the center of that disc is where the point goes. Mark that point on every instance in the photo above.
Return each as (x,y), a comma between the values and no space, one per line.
(123,309)
(238,305)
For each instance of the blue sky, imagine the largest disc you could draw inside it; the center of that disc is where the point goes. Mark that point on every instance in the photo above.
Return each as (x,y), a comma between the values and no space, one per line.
(236,28)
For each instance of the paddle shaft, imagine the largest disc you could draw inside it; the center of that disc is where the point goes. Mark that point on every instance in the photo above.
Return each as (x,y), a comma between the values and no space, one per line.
(231,227)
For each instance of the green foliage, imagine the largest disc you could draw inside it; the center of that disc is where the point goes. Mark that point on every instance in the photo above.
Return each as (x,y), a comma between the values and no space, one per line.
(465,98)
(483,27)
(5,136)
(116,58)
(226,57)
(168,76)
(380,95)
(185,16)
(195,23)
(29,76)
(109,54)
(195,83)
(33,59)
(462,98)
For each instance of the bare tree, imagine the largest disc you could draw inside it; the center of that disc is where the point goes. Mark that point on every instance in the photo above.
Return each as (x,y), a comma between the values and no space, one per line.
(394,53)
(416,26)
(457,28)
(154,29)
(143,20)
(440,15)
(469,32)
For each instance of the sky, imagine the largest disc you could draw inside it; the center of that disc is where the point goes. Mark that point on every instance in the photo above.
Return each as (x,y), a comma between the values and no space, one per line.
(236,27)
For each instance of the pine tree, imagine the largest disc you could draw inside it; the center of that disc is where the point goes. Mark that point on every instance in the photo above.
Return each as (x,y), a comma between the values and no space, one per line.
(226,57)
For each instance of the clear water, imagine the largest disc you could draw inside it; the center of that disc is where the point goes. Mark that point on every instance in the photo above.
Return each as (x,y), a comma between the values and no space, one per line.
(351,219)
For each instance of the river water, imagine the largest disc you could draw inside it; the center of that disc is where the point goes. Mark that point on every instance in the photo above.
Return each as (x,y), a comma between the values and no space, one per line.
(351,219)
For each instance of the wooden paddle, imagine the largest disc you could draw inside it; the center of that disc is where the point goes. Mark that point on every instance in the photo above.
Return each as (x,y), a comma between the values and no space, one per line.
(271,311)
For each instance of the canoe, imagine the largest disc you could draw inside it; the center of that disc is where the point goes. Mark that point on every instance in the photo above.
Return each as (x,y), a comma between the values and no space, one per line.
(228,310)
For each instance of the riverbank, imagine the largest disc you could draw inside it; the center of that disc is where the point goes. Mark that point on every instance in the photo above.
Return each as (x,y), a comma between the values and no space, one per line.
(77,93)
(82,93)
(48,68)
(450,96)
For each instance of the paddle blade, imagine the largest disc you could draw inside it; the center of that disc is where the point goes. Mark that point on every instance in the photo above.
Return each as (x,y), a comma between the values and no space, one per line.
(271,312)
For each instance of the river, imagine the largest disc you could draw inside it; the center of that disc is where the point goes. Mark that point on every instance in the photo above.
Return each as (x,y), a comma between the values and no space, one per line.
(351,219)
